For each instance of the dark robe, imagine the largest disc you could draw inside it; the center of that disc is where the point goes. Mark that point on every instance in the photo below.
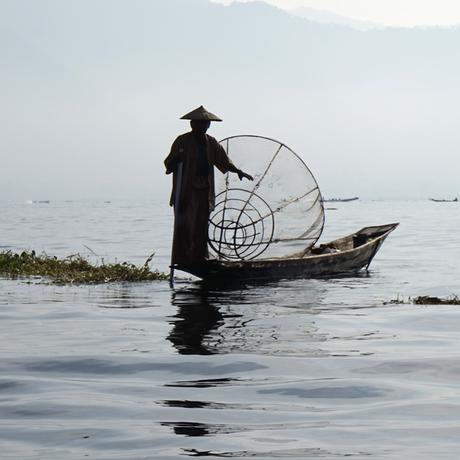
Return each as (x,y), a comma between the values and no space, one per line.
(192,163)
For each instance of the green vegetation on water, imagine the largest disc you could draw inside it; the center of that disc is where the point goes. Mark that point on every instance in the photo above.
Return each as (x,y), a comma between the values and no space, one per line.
(426,300)
(74,269)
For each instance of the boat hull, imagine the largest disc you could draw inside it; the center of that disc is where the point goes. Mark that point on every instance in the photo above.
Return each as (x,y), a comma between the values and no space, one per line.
(339,257)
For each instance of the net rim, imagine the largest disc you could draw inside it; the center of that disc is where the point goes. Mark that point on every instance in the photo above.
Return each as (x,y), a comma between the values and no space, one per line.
(283,145)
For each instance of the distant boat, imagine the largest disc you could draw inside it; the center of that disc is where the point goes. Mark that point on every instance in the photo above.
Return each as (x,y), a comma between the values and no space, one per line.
(444,201)
(341,200)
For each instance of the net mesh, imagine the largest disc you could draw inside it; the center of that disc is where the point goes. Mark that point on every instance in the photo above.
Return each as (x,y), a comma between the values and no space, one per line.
(278,214)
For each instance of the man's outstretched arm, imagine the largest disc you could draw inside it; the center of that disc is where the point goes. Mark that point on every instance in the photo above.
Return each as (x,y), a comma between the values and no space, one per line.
(241,174)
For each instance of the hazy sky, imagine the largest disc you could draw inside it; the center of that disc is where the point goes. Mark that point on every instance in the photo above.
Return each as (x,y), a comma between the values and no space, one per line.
(405,13)
(92,92)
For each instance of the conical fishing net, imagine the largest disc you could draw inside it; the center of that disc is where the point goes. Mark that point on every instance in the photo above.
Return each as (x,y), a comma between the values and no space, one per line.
(279,214)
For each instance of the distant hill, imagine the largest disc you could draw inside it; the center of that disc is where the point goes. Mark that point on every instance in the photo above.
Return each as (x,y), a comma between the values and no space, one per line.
(94,91)
(328,17)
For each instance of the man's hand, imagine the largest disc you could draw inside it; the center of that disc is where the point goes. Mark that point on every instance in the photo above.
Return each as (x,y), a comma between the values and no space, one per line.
(242,175)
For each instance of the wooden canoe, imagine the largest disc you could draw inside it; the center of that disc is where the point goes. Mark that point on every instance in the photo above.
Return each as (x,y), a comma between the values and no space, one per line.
(340,200)
(455,200)
(342,256)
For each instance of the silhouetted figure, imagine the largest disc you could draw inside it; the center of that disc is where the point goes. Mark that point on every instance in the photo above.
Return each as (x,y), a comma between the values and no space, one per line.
(192,160)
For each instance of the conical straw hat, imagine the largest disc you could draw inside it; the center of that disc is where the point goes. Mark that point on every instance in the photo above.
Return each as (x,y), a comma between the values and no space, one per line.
(200,114)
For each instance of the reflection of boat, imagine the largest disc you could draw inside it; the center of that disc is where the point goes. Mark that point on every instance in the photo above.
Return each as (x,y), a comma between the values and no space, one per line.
(444,201)
(342,256)
(341,200)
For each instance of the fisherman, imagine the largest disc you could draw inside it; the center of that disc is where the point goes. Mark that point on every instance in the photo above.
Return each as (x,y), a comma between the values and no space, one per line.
(192,160)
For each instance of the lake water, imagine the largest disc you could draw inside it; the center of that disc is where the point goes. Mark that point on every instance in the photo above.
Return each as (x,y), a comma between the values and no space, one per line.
(294,369)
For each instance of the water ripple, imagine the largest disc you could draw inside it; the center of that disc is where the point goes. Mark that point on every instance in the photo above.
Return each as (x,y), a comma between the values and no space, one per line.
(292,369)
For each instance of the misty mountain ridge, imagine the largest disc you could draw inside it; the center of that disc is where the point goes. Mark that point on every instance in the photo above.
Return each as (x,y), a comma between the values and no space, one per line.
(328,17)
(95,90)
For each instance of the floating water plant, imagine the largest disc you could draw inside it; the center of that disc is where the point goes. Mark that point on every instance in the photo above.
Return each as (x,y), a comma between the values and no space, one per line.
(425,300)
(429,300)
(74,269)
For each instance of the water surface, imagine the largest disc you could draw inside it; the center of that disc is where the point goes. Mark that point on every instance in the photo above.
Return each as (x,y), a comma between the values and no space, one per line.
(292,369)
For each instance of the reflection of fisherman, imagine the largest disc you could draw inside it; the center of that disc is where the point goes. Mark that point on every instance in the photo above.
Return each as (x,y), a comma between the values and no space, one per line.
(195,323)
(192,160)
